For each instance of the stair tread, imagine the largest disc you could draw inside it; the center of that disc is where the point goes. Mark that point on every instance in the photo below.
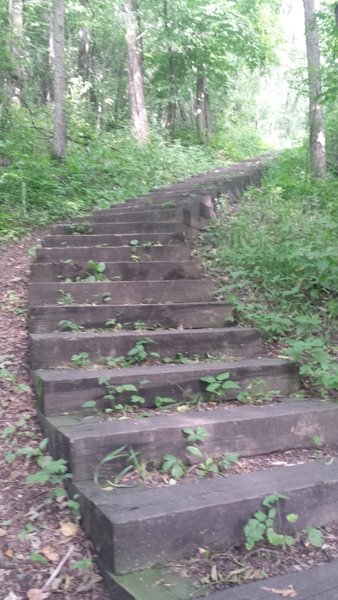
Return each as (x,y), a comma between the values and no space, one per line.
(140,371)
(317,583)
(78,427)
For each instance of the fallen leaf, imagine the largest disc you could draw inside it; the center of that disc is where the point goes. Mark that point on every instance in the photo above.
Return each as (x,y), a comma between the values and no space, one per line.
(68,529)
(50,553)
(9,553)
(34,594)
(290,592)
(3,532)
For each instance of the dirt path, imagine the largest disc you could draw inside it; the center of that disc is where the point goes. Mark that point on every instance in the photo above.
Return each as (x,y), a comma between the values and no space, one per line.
(36,529)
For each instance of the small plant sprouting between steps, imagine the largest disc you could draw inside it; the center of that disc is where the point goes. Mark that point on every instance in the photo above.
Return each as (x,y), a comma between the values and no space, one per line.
(65,325)
(204,465)
(256,392)
(95,272)
(122,455)
(111,397)
(79,228)
(81,360)
(65,299)
(261,526)
(218,385)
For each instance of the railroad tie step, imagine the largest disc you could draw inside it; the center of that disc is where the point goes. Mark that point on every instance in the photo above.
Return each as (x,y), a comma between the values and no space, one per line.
(282,426)
(188,315)
(108,253)
(49,350)
(66,390)
(140,528)
(121,292)
(123,239)
(134,228)
(124,271)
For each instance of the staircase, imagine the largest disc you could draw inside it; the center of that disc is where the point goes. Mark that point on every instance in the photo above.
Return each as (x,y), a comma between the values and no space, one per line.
(150,287)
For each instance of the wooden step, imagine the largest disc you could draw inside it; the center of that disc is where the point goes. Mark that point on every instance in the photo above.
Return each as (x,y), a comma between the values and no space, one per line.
(113,254)
(44,319)
(167,583)
(120,228)
(318,583)
(246,430)
(121,215)
(136,529)
(124,292)
(65,390)
(124,239)
(49,350)
(126,271)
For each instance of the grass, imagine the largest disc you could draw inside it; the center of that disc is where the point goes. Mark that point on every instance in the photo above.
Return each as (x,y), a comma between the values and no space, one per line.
(279,251)
(100,169)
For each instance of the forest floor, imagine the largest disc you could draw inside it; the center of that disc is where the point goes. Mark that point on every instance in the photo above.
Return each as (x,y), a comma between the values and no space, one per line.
(37,530)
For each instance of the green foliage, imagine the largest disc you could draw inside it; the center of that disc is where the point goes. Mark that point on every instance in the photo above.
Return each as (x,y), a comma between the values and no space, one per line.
(279,250)
(81,360)
(65,325)
(174,466)
(34,191)
(219,384)
(261,526)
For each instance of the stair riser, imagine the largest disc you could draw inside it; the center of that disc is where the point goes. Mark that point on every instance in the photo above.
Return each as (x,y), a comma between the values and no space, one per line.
(51,351)
(128,271)
(140,536)
(68,395)
(118,228)
(44,319)
(273,429)
(113,254)
(55,241)
(123,292)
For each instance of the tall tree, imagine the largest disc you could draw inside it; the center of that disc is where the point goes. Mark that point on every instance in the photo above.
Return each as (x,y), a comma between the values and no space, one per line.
(60,127)
(316,118)
(15,16)
(138,109)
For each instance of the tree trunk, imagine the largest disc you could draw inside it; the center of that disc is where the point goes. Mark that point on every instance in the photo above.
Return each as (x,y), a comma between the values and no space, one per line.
(47,79)
(138,109)
(317,134)
(83,59)
(60,128)
(170,115)
(15,16)
(203,112)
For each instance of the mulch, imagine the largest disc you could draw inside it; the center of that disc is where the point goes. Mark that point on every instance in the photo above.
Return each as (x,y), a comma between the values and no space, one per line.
(37,530)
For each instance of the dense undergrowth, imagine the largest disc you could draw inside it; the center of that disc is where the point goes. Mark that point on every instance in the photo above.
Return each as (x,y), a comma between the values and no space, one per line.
(101,168)
(279,251)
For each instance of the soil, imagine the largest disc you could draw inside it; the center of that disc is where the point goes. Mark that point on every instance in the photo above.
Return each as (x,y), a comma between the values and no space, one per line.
(237,566)
(154,478)
(36,529)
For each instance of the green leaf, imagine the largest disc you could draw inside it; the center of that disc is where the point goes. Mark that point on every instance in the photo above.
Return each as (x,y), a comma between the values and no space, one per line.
(208,379)
(223,376)
(89,404)
(177,471)
(36,557)
(315,536)
(292,518)
(85,563)
(254,532)
(195,451)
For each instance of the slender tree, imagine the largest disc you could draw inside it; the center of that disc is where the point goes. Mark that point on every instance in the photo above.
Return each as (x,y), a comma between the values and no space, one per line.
(316,118)
(60,127)
(138,109)
(15,16)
